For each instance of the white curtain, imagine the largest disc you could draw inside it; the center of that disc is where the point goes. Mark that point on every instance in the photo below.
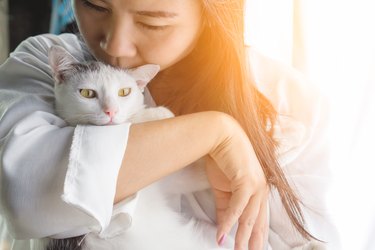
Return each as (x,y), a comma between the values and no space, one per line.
(333,43)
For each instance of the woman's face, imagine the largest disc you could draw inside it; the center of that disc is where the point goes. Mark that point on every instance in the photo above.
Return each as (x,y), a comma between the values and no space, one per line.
(130,33)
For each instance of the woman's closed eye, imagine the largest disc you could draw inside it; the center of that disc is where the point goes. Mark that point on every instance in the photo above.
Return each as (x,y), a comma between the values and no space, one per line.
(142,24)
(153,27)
(95,7)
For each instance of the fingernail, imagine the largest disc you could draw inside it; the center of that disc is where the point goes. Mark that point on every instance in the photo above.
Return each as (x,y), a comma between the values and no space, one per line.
(222,239)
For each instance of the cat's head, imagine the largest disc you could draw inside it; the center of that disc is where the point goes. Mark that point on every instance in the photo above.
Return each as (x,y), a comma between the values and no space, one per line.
(95,93)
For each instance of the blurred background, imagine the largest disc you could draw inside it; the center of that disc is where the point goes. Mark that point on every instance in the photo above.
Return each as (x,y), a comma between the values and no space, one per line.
(20,19)
(331,41)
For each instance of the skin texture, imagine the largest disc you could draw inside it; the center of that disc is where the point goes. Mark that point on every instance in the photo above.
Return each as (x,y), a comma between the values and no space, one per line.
(130,33)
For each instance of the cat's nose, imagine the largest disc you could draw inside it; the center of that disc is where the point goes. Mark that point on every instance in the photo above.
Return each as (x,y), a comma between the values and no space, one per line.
(110,112)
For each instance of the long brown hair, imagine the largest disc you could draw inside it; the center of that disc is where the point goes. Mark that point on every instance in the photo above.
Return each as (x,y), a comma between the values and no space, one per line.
(216,76)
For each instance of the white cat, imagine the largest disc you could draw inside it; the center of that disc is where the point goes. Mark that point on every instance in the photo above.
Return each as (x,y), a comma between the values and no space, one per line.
(98,94)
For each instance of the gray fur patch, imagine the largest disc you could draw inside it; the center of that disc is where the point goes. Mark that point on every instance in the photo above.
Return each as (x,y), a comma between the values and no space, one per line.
(74,243)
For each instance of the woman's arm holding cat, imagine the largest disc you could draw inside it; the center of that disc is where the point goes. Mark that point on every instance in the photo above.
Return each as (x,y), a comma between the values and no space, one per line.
(156,149)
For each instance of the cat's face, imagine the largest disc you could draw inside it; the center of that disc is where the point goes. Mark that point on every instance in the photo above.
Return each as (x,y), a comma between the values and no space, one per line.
(94,93)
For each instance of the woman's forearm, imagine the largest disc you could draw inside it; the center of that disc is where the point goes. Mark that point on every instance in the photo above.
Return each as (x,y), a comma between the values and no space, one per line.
(158,148)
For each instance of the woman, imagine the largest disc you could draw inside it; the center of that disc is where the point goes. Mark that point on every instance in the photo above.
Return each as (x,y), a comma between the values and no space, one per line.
(54,183)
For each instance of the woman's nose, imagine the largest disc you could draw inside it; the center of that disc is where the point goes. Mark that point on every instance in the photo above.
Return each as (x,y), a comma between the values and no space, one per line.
(118,41)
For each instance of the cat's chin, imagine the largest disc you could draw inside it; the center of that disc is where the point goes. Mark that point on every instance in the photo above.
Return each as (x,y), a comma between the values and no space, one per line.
(101,123)
(113,123)
(110,123)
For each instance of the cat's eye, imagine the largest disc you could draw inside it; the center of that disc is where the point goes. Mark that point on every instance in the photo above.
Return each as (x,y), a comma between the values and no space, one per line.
(124,91)
(87,93)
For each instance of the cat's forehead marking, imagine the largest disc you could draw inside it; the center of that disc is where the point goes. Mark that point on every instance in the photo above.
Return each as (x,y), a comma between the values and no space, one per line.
(86,67)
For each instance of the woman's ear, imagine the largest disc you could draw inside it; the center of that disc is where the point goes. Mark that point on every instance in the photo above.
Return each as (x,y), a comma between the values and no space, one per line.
(144,74)
(60,61)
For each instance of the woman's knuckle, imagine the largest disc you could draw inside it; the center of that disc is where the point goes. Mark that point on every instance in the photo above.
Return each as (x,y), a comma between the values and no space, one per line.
(259,231)
(248,222)
(237,212)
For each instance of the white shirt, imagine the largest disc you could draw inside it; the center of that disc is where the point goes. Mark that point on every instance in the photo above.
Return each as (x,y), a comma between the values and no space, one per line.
(60,181)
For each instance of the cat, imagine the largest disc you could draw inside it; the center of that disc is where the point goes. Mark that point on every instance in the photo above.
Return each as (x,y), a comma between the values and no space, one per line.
(98,94)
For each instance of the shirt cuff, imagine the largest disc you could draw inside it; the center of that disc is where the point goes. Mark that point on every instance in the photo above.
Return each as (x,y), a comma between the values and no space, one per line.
(122,217)
(95,159)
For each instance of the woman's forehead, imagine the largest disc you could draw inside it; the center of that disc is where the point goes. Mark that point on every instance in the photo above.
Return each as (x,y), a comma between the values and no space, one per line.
(163,9)
(177,5)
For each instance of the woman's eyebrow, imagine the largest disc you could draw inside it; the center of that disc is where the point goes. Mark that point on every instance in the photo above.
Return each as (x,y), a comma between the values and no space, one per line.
(157,14)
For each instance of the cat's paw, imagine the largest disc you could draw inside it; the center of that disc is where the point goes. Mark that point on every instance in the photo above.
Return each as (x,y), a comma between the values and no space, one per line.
(163,112)
(151,114)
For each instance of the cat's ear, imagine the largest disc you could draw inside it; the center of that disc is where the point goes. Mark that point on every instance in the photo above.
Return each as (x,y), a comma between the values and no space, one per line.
(144,74)
(60,61)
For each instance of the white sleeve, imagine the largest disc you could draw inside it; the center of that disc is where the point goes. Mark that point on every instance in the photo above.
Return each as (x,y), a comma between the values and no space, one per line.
(302,133)
(56,180)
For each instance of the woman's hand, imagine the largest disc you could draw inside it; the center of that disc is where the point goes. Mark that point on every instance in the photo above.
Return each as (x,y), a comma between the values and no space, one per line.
(240,191)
